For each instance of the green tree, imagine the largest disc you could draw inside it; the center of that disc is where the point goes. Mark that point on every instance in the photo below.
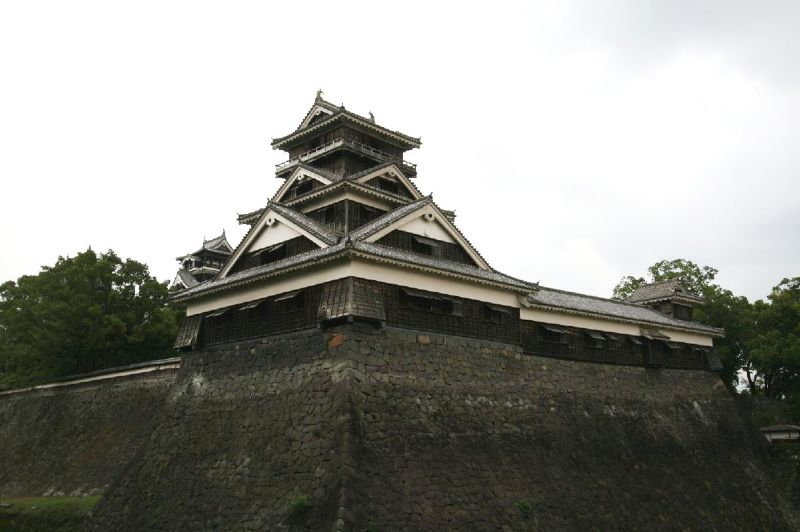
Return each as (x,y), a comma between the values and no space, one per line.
(84,313)
(776,342)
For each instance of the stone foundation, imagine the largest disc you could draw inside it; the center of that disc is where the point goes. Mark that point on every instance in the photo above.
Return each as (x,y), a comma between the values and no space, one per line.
(388,429)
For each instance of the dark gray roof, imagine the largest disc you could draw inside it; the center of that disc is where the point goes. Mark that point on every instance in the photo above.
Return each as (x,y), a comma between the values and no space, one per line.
(333,187)
(219,243)
(584,304)
(780,428)
(246,276)
(425,261)
(389,218)
(186,278)
(339,112)
(307,223)
(670,289)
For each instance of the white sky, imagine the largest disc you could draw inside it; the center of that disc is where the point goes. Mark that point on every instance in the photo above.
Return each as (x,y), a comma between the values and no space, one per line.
(578,141)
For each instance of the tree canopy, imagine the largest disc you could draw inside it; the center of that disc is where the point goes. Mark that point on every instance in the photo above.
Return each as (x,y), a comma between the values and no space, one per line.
(82,314)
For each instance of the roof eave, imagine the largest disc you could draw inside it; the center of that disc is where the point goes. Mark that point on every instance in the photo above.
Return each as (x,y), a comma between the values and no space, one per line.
(406,140)
(711,331)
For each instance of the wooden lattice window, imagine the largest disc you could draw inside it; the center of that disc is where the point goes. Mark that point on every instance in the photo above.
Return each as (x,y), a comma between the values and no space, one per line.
(596,339)
(493,313)
(427,302)
(290,302)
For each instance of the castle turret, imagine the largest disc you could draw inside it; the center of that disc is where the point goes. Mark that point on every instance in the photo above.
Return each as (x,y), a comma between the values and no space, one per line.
(203,264)
(668,297)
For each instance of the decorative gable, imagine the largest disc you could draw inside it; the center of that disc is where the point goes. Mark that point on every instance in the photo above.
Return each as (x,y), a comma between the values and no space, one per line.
(279,231)
(302,181)
(390,179)
(424,219)
(317,113)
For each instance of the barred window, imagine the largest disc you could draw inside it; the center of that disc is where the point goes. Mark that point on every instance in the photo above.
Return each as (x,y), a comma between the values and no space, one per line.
(290,301)
(596,339)
(493,313)
(427,302)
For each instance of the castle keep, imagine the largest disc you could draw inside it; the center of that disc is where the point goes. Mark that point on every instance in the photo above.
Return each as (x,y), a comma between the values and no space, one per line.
(354,363)
(348,236)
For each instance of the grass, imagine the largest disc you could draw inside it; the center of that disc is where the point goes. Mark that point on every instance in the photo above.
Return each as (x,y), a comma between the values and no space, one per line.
(299,506)
(35,514)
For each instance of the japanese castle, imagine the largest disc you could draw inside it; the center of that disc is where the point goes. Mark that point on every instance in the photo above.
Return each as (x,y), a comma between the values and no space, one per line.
(348,236)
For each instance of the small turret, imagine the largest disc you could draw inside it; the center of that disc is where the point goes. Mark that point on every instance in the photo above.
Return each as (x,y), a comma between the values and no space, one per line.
(668,297)
(202,265)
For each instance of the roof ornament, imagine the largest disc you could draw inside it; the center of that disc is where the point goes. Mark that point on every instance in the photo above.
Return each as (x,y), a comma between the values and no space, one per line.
(371,117)
(319,96)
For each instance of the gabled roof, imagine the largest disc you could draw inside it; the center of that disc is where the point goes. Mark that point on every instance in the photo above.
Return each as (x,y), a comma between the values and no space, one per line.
(365,232)
(341,186)
(339,113)
(184,279)
(302,171)
(312,229)
(663,290)
(217,244)
(574,303)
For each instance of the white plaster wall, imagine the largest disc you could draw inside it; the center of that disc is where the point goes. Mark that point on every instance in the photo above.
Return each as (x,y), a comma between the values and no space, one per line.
(419,226)
(271,235)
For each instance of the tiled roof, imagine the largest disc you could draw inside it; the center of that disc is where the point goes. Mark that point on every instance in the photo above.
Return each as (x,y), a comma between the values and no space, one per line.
(309,224)
(338,113)
(427,262)
(186,278)
(672,288)
(389,218)
(584,304)
(219,243)
(246,276)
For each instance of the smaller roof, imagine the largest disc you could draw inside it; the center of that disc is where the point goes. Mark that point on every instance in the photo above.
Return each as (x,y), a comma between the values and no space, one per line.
(780,428)
(184,279)
(218,244)
(670,289)
(340,113)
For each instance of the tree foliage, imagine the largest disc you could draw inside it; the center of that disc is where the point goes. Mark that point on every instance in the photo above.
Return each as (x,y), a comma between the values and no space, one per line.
(776,341)
(84,313)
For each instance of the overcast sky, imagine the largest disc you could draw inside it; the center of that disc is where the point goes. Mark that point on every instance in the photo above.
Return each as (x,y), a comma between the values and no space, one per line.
(577,141)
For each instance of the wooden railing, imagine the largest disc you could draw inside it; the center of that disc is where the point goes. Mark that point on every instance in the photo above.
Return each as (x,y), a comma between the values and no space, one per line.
(334,144)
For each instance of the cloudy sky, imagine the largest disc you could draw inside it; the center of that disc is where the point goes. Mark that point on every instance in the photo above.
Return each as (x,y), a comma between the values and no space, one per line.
(577,141)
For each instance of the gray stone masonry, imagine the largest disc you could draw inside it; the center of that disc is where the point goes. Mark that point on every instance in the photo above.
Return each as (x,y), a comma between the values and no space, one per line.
(77,439)
(389,429)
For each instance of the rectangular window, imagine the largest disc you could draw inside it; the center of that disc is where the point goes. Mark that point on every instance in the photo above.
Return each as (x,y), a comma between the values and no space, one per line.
(274,253)
(425,246)
(493,313)
(596,339)
(290,301)
(426,301)
(554,334)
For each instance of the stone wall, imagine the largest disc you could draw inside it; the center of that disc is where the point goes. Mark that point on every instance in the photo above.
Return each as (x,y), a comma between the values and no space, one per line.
(76,439)
(251,431)
(388,429)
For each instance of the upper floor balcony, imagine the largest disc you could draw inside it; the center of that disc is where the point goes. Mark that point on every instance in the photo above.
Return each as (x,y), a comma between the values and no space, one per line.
(409,168)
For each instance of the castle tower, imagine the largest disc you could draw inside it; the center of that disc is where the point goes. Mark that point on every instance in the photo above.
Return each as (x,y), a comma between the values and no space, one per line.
(203,264)
(348,236)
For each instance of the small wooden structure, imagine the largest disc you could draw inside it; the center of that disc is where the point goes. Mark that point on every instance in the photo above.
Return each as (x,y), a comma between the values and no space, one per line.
(782,434)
